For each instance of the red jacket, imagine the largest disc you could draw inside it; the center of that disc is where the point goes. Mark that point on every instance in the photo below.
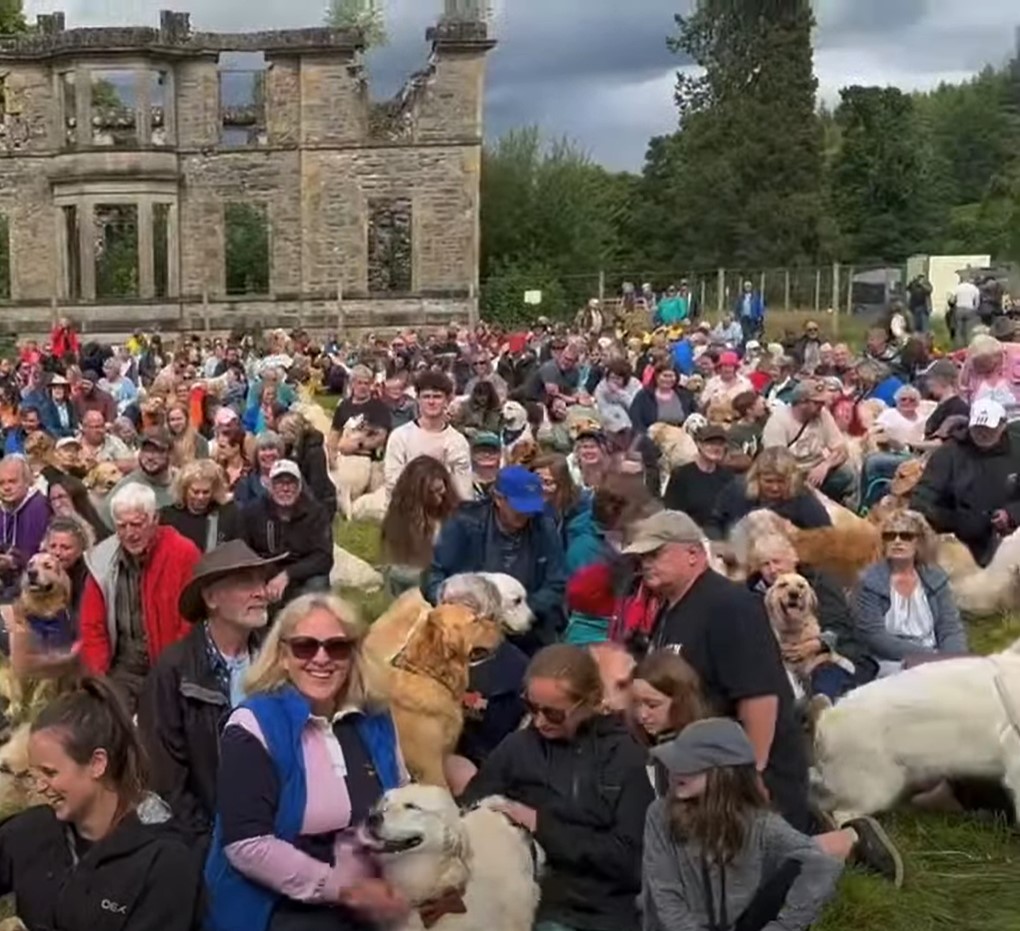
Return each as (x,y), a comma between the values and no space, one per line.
(166,572)
(62,341)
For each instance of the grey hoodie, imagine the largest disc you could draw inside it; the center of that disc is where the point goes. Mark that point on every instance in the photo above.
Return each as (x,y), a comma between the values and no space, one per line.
(673,892)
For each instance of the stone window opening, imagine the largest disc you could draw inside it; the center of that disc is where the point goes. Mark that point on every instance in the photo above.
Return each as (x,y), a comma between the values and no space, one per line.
(5,258)
(246,249)
(116,247)
(113,110)
(242,77)
(390,245)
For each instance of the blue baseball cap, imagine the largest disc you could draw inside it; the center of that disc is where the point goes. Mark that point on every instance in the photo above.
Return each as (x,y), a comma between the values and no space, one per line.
(522,490)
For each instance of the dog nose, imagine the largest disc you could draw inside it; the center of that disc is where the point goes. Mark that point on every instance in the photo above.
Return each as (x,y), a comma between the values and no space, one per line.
(375,819)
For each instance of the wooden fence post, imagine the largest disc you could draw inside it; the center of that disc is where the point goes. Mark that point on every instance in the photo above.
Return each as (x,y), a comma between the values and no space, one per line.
(837,295)
(786,291)
(473,310)
(818,290)
(720,300)
(850,292)
(602,286)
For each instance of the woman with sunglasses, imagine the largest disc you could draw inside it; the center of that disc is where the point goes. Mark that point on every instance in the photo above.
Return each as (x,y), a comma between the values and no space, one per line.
(575,778)
(302,762)
(903,604)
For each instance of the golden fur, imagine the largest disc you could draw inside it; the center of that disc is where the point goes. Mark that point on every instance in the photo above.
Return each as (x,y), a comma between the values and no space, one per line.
(838,551)
(792,608)
(426,682)
(523,453)
(101,478)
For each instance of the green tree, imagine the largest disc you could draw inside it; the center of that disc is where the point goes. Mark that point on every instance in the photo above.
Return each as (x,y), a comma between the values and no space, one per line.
(366,15)
(742,181)
(12,17)
(246,248)
(548,209)
(888,187)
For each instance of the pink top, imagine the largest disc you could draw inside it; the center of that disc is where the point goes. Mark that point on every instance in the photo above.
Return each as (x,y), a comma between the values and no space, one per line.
(279,865)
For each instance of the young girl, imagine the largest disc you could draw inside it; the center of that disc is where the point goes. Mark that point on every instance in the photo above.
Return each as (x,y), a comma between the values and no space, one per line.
(714,856)
(101,852)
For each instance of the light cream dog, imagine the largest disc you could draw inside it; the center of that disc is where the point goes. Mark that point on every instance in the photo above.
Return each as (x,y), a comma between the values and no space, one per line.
(958,718)
(468,872)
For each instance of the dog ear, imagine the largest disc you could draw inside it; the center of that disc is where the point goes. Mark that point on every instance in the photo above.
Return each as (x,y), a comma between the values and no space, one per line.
(812,597)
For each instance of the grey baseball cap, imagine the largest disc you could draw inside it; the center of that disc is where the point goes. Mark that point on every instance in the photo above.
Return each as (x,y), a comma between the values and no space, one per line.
(706,745)
(653,533)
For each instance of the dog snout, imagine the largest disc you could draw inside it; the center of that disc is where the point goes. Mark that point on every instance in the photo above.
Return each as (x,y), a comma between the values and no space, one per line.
(374,820)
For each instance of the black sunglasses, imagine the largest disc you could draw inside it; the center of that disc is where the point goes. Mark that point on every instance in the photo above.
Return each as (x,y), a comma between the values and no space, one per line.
(891,536)
(554,716)
(307,648)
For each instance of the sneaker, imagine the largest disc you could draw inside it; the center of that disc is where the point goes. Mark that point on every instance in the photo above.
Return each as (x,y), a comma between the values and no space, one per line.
(875,851)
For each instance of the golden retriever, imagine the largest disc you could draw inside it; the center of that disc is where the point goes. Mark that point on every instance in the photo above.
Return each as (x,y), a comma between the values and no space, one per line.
(101,479)
(426,684)
(842,552)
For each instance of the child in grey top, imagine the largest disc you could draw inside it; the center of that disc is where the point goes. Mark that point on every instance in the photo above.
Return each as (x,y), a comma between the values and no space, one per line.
(715,857)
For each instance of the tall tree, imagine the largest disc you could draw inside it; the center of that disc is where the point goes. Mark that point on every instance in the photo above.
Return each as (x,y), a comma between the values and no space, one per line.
(889,194)
(743,181)
(12,17)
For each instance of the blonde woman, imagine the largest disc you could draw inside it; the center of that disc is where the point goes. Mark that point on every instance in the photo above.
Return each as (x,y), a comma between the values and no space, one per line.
(202,509)
(188,443)
(774,481)
(302,761)
(903,604)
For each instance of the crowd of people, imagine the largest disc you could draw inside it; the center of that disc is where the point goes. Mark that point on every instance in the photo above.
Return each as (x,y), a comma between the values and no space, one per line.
(211,765)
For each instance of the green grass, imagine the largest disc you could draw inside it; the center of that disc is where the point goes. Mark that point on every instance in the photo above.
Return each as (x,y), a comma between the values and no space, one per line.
(961,871)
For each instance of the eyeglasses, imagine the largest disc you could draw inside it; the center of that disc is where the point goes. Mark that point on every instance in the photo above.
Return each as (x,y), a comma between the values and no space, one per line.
(554,716)
(906,536)
(337,649)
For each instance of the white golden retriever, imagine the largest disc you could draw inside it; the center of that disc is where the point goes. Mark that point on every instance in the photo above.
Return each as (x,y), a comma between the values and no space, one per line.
(945,719)
(430,851)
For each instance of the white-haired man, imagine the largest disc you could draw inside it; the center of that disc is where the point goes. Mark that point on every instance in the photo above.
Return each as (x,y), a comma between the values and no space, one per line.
(129,610)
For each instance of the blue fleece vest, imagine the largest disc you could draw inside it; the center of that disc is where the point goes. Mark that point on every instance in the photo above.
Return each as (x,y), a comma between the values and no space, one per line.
(235,903)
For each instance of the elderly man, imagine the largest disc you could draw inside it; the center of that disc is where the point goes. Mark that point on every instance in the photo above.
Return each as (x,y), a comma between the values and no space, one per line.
(153,468)
(129,612)
(969,487)
(509,532)
(99,445)
(808,430)
(288,522)
(198,680)
(24,514)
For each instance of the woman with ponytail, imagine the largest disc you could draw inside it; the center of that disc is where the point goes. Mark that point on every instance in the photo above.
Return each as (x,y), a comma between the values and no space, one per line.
(99,851)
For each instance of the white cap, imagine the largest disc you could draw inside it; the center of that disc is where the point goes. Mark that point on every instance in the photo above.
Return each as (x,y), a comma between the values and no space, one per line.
(987,413)
(285,467)
(67,441)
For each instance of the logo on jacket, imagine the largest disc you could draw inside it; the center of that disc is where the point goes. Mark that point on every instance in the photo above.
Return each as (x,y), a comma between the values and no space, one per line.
(108,905)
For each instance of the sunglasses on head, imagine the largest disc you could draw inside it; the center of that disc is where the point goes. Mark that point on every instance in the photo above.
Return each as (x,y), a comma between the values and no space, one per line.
(554,716)
(891,536)
(307,648)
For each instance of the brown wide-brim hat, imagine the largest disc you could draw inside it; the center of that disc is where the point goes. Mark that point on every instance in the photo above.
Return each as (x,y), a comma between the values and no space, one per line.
(233,556)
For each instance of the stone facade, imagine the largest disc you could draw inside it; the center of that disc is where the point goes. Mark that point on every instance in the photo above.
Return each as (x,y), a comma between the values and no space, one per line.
(374,202)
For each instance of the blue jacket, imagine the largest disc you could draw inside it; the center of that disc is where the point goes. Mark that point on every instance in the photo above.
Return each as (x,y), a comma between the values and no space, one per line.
(757,308)
(583,538)
(235,903)
(885,391)
(873,597)
(465,544)
(51,419)
(683,356)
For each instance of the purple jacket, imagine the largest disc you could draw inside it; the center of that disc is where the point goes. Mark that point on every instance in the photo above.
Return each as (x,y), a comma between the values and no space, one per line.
(23,528)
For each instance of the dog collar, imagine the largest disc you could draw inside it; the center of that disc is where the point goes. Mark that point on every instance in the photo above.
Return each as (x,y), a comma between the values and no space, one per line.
(450,902)
(400,661)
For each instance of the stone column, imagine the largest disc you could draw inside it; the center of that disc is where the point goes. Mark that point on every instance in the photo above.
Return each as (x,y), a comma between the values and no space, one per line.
(143,108)
(146,256)
(63,288)
(87,246)
(173,251)
(83,107)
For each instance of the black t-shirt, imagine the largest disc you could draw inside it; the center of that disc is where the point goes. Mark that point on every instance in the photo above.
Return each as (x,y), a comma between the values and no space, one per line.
(950,407)
(376,415)
(722,630)
(696,492)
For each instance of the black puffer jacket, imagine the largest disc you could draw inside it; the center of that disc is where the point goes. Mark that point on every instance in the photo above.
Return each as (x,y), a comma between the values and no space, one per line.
(305,535)
(963,486)
(591,795)
(142,877)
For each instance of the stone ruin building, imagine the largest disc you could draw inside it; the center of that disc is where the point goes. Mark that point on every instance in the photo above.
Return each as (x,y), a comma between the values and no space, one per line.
(146,179)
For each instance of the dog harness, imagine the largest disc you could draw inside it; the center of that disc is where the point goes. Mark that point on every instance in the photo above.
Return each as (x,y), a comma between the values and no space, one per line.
(450,902)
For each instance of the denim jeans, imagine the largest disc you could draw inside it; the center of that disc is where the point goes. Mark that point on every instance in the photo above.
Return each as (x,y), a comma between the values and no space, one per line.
(831,681)
(878,466)
(965,323)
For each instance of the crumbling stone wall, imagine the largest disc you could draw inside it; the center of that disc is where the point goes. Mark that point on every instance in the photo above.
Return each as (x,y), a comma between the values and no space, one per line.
(329,154)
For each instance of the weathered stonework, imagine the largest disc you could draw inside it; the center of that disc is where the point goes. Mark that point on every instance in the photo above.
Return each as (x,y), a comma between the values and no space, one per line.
(325,159)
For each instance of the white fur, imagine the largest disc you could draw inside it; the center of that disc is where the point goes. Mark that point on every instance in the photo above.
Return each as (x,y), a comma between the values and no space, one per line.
(953,718)
(371,508)
(515,616)
(351,572)
(995,589)
(479,851)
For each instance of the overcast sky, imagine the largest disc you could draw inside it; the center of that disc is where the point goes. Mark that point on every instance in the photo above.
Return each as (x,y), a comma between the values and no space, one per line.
(599,70)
